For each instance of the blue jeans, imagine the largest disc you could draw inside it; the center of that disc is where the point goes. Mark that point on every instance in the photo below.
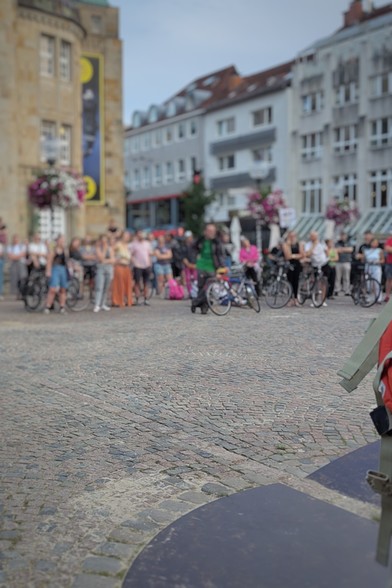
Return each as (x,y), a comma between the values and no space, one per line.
(1,276)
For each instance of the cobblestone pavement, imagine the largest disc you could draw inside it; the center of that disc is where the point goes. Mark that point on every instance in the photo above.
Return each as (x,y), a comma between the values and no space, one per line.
(114,425)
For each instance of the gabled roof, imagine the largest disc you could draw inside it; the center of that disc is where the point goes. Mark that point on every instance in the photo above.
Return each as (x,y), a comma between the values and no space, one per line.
(263,82)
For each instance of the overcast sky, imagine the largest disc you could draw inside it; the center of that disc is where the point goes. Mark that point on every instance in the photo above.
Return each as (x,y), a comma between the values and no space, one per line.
(168,43)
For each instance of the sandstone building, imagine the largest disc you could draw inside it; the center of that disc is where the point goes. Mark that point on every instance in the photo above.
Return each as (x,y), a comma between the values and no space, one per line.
(47,49)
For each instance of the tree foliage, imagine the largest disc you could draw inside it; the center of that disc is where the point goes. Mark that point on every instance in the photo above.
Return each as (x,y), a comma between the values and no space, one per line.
(195,201)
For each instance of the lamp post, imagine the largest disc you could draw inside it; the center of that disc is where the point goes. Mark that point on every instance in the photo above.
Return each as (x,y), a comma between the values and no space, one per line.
(258,174)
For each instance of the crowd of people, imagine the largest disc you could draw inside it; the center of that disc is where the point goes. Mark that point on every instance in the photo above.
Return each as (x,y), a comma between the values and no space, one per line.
(123,267)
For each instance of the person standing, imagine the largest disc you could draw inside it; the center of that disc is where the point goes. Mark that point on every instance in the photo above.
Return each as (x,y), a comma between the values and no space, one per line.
(38,253)
(374,258)
(163,266)
(343,266)
(16,253)
(388,268)
(209,258)
(105,261)
(190,271)
(333,258)
(141,252)
(57,272)
(122,288)
(293,251)
(317,253)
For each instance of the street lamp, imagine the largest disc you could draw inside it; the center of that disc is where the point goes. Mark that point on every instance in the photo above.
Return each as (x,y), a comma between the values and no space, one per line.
(258,174)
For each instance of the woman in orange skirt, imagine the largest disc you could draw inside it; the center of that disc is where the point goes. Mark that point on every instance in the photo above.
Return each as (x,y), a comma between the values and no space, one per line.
(122,285)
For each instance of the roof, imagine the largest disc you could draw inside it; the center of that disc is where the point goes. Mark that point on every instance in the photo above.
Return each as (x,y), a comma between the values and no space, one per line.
(200,93)
(368,21)
(263,82)
(96,2)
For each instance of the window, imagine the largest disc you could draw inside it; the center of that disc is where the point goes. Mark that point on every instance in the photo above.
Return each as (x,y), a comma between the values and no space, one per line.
(192,167)
(65,61)
(347,94)
(146,141)
(262,116)
(65,145)
(193,127)
(262,154)
(140,215)
(169,172)
(146,177)
(181,130)
(313,102)
(136,179)
(346,186)
(226,162)
(226,126)
(381,189)
(311,196)
(381,132)
(158,174)
(96,24)
(127,147)
(47,56)
(346,139)
(135,144)
(181,170)
(169,135)
(312,146)
(382,84)
(158,137)
(48,140)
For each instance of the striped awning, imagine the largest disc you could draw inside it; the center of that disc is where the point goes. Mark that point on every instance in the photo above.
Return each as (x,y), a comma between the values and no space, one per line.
(308,223)
(378,221)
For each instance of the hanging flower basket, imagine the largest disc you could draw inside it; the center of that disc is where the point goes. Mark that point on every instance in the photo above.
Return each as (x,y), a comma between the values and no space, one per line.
(266,208)
(66,189)
(343,212)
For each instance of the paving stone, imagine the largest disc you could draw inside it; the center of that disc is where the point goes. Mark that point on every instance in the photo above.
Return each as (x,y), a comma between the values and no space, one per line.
(91,444)
(216,489)
(93,581)
(114,549)
(103,565)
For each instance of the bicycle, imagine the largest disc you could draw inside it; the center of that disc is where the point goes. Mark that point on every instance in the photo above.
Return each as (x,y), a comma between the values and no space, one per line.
(80,291)
(37,288)
(312,285)
(279,291)
(365,290)
(224,291)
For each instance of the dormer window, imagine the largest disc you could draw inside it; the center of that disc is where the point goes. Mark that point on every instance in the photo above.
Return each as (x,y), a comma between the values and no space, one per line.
(171,109)
(153,114)
(136,120)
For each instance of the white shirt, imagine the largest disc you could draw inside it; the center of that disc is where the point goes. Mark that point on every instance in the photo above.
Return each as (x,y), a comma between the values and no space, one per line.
(319,255)
(17,250)
(40,250)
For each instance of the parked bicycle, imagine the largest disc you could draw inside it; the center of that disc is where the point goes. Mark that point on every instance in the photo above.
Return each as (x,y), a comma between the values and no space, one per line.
(36,291)
(365,290)
(225,291)
(312,285)
(279,291)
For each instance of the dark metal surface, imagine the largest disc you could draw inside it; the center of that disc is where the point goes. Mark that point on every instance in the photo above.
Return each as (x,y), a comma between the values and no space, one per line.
(269,537)
(348,473)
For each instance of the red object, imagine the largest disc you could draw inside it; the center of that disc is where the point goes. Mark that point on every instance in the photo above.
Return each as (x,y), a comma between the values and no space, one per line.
(384,348)
(388,257)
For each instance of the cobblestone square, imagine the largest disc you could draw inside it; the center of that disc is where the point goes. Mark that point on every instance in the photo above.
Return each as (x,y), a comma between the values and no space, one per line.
(113,425)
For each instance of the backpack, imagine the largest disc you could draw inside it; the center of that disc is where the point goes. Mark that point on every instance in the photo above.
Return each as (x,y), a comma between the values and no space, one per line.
(174,290)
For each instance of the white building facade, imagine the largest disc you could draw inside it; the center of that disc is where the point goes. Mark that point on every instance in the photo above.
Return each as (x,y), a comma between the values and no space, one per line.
(247,143)
(342,122)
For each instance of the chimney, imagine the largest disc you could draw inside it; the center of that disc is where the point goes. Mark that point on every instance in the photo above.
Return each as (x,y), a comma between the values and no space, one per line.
(354,14)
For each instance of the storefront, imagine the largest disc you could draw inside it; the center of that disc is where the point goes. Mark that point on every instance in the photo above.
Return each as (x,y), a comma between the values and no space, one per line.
(154,213)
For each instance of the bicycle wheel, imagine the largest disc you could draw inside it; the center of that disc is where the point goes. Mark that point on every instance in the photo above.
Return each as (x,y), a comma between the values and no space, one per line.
(302,294)
(79,297)
(252,298)
(319,291)
(34,294)
(278,294)
(369,292)
(72,293)
(218,298)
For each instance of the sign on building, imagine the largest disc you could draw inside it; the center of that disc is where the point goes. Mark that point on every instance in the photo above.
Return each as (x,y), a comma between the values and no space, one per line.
(287,217)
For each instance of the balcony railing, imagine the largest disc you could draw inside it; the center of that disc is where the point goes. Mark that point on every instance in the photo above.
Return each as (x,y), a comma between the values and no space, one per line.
(64,8)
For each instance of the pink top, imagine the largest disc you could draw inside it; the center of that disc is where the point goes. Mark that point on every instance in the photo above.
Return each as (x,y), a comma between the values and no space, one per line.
(251,256)
(141,253)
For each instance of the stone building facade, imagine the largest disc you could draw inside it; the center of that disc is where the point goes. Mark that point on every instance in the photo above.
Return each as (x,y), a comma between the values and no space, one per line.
(41,46)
